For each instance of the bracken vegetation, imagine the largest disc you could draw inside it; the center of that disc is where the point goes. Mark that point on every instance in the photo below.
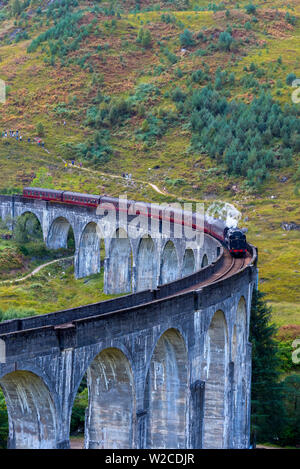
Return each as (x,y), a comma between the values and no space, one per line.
(190,95)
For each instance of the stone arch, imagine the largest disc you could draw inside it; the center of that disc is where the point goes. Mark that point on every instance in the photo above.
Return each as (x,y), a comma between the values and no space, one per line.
(32,413)
(169,268)
(110,420)
(188,266)
(89,251)
(119,266)
(146,264)
(214,374)
(204,261)
(166,393)
(58,233)
(239,408)
(32,212)
(30,223)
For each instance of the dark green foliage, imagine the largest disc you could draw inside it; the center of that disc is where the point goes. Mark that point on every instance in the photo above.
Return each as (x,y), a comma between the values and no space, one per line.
(167,18)
(290,78)
(21,36)
(144,38)
(290,434)
(40,130)
(170,56)
(66,34)
(111,112)
(241,135)
(216,7)
(16,8)
(267,392)
(27,229)
(225,41)
(179,72)
(290,18)
(143,92)
(250,9)
(198,76)
(154,127)
(186,39)
(16,313)
(97,149)
(178,95)
(79,407)
(3,422)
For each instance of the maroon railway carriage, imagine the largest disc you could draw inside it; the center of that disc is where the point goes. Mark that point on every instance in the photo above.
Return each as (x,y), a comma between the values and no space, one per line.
(43,194)
(215,227)
(76,198)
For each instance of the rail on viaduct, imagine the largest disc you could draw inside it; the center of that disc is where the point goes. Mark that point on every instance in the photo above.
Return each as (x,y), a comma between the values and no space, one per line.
(168,365)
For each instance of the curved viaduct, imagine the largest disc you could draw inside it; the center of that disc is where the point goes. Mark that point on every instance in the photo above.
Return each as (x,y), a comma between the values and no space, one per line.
(168,365)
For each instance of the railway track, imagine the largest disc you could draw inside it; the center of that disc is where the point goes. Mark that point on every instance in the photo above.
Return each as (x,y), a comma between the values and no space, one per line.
(230,266)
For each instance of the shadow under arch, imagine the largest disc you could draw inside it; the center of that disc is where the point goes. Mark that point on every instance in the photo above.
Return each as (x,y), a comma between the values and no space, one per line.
(146,264)
(119,268)
(204,262)
(214,369)
(188,262)
(166,390)
(32,413)
(28,227)
(61,233)
(110,417)
(89,252)
(169,267)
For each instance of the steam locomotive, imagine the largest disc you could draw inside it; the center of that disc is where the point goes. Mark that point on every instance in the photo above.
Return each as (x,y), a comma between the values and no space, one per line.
(233,238)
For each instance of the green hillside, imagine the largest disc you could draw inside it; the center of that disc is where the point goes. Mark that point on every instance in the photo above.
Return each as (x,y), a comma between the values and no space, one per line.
(194,97)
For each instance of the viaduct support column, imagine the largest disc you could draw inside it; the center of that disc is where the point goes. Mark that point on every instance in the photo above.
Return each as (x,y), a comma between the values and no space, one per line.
(106,272)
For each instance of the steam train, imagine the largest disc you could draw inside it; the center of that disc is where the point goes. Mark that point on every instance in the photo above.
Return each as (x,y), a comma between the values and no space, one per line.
(233,238)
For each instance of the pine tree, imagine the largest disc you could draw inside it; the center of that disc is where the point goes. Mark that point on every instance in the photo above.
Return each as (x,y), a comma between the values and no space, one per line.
(291,431)
(267,416)
(16,8)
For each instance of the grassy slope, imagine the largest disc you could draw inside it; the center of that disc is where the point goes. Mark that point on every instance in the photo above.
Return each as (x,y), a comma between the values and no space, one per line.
(36,88)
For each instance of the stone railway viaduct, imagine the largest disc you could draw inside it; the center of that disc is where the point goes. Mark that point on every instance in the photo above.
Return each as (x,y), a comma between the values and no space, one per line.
(168,365)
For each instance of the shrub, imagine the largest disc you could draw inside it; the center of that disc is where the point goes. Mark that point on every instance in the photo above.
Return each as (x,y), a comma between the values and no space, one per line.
(290,19)
(250,9)
(225,40)
(178,95)
(144,38)
(290,78)
(40,130)
(186,39)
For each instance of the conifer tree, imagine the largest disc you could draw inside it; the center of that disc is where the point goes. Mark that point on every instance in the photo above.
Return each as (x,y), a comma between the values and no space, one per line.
(267,413)
(16,8)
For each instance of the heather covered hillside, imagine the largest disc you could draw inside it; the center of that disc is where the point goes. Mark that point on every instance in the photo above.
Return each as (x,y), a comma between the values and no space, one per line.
(193,97)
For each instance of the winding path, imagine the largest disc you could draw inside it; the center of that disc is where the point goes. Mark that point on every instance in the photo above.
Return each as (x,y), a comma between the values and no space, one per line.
(35,271)
(116,176)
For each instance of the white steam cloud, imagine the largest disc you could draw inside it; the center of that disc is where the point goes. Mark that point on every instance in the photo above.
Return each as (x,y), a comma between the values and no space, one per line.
(224,211)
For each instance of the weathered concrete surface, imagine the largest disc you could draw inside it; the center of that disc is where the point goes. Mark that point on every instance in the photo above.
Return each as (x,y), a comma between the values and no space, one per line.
(131,263)
(165,369)
(158,373)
